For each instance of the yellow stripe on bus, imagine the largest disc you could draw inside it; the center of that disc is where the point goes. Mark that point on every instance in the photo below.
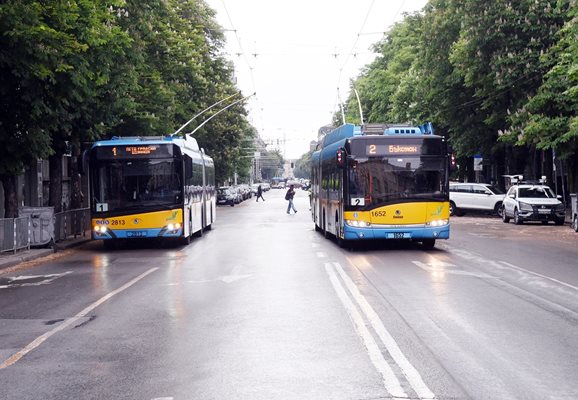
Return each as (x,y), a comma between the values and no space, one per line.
(402,214)
(150,220)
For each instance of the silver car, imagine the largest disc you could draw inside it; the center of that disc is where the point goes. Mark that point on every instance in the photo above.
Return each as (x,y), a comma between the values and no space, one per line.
(533,203)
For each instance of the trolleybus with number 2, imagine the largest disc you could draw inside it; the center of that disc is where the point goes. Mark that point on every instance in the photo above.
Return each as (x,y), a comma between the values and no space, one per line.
(381,182)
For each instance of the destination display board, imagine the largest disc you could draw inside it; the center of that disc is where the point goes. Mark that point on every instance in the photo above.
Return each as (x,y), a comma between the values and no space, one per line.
(134,151)
(377,146)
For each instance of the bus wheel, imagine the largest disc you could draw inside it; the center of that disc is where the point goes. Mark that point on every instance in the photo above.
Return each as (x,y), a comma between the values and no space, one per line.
(186,240)
(325,233)
(428,244)
(317,228)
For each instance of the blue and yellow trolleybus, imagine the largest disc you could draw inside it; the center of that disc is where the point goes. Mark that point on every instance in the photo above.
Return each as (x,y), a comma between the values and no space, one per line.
(150,187)
(381,182)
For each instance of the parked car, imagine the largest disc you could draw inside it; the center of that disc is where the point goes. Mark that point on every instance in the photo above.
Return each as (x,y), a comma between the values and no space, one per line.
(475,196)
(226,196)
(529,202)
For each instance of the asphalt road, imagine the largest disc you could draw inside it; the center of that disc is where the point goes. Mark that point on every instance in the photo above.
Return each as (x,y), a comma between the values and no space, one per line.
(264,307)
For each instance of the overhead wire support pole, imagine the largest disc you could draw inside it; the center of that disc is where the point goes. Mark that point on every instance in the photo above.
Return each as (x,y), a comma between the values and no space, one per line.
(202,112)
(220,111)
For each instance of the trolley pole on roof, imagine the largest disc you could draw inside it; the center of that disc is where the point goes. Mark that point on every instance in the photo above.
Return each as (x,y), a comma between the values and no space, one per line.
(359,104)
(202,112)
(220,111)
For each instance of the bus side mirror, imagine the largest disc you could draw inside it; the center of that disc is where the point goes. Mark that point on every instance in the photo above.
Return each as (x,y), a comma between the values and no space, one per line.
(340,158)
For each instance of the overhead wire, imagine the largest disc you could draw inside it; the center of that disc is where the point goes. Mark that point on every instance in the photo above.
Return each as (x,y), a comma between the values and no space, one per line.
(244,55)
(360,33)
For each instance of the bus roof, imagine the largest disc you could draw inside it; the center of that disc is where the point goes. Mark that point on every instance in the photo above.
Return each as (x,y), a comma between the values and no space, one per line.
(186,142)
(349,130)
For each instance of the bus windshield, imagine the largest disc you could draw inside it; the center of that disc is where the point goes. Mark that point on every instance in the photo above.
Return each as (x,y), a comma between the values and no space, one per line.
(136,184)
(384,180)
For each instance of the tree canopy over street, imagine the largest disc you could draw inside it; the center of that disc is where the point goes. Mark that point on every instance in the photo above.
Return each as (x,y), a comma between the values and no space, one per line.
(500,79)
(80,70)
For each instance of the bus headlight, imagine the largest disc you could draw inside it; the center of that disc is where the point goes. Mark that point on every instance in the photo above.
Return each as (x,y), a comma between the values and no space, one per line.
(357,224)
(100,229)
(173,227)
(437,222)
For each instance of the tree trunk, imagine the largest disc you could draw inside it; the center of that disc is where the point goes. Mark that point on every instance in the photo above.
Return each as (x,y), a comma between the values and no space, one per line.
(76,195)
(9,184)
(55,193)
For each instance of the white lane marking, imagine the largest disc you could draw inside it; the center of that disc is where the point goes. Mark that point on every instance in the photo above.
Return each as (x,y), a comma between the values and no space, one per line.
(13,282)
(225,279)
(500,264)
(389,379)
(71,321)
(540,275)
(443,268)
(413,376)
(321,254)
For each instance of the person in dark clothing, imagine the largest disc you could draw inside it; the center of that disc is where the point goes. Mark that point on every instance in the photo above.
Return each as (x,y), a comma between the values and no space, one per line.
(260,193)
(289,196)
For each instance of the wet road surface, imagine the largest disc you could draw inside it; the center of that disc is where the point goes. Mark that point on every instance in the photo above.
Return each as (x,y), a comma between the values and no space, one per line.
(264,307)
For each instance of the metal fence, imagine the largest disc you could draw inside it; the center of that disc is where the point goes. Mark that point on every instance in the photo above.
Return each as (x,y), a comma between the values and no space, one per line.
(71,223)
(14,234)
(18,233)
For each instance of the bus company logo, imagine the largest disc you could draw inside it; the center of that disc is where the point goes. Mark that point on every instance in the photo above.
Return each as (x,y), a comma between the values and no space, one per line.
(437,211)
(398,214)
(136,221)
(102,222)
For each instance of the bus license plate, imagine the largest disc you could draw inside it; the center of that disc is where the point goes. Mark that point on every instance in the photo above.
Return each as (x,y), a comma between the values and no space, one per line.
(136,234)
(399,235)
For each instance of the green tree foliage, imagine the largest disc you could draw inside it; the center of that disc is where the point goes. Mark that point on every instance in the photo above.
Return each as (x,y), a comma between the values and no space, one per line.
(474,68)
(549,119)
(79,70)
(303,166)
(271,164)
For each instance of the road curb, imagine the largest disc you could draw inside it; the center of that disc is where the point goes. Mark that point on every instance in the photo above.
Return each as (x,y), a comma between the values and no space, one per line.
(11,260)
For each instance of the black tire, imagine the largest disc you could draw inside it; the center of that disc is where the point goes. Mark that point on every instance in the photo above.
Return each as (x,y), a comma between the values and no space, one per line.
(428,244)
(317,228)
(517,219)
(499,209)
(453,209)
(575,223)
(185,241)
(505,218)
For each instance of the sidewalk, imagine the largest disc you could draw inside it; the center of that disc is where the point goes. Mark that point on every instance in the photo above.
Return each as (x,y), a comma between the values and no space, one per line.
(10,259)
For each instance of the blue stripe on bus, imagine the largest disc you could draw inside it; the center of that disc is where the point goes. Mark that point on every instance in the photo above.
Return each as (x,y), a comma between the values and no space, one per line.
(352,233)
(131,234)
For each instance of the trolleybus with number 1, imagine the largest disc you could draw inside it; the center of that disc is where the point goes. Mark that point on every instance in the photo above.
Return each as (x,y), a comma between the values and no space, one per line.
(150,187)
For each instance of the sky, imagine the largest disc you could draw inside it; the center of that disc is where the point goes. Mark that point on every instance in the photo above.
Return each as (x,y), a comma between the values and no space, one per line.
(298,56)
